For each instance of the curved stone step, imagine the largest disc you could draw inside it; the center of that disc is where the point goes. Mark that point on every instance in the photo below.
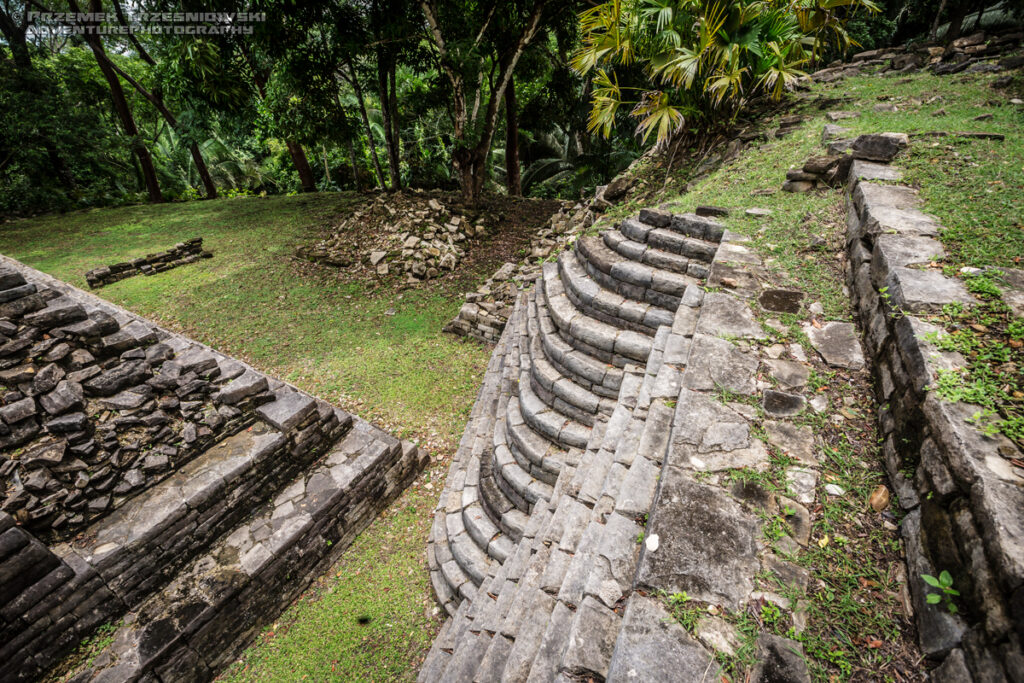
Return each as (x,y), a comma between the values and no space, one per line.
(536,454)
(607,305)
(593,337)
(600,377)
(669,240)
(585,403)
(687,224)
(496,502)
(629,278)
(477,522)
(542,418)
(656,258)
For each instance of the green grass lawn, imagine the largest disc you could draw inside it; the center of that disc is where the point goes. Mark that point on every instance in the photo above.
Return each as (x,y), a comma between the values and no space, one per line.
(330,337)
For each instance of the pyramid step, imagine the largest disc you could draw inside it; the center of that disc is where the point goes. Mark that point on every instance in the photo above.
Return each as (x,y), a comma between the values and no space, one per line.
(690,225)
(605,304)
(203,619)
(656,258)
(589,335)
(668,239)
(633,280)
(597,375)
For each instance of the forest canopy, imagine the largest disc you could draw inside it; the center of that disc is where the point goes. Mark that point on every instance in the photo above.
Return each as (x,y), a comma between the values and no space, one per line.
(106,102)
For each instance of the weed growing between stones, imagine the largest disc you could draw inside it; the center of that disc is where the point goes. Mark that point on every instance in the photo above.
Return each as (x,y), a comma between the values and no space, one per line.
(990,338)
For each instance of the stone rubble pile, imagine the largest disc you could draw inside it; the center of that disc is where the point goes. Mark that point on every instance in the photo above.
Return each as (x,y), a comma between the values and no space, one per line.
(486,310)
(152,478)
(832,169)
(972,54)
(182,253)
(421,236)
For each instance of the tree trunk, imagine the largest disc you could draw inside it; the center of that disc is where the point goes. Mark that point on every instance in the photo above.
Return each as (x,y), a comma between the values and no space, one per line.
(934,33)
(124,112)
(389,130)
(956,21)
(301,165)
(158,103)
(354,81)
(512,179)
(355,166)
(393,106)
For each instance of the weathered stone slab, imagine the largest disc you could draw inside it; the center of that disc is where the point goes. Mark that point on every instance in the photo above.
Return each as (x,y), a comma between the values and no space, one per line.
(652,647)
(717,364)
(838,343)
(708,545)
(924,291)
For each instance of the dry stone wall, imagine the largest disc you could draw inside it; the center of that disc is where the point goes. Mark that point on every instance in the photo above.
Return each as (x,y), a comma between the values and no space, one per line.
(265,488)
(963,497)
(185,252)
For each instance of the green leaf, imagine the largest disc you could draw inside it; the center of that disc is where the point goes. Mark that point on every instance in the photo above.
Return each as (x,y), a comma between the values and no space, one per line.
(931,580)
(945,579)
(933,598)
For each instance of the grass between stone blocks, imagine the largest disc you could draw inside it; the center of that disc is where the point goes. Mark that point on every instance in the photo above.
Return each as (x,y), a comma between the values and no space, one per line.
(371,618)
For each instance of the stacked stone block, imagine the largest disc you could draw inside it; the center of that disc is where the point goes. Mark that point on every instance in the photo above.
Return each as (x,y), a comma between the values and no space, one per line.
(182,253)
(217,542)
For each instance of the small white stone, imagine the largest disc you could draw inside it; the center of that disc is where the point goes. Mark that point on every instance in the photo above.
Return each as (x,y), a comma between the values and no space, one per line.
(833,490)
(798,352)
(818,404)
(652,543)
(816,308)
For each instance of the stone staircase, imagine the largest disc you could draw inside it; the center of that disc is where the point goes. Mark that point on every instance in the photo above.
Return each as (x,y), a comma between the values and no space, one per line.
(534,546)
(245,491)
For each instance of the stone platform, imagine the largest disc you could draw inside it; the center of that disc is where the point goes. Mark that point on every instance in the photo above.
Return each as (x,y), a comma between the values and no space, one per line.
(150,478)
(590,479)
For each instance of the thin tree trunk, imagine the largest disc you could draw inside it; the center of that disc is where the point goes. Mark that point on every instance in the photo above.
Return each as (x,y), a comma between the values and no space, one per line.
(513,181)
(327,169)
(301,165)
(124,113)
(389,131)
(395,128)
(934,33)
(354,81)
(355,166)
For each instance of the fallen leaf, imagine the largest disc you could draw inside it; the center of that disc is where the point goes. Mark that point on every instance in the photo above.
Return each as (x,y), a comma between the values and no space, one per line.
(823,541)
(879,498)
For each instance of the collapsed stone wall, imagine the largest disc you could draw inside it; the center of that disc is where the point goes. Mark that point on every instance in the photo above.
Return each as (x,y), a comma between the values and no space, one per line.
(962,496)
(201,553)
(487,310)
(182,253)
(98,407)
(969,54)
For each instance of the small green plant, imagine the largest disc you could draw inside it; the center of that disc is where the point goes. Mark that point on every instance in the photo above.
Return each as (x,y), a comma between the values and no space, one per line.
(640,538)
(770,614)
(683,611)
(946,591)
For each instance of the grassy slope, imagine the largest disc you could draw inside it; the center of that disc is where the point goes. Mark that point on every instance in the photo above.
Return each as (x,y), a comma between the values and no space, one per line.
(330,338)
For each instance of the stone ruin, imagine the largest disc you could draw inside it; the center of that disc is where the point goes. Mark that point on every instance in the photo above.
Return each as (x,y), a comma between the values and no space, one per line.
(182,253)
(589,480)
(149,477)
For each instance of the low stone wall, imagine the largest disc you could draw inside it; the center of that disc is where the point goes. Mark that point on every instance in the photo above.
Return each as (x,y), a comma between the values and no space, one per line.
(184,252)
(962,496)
